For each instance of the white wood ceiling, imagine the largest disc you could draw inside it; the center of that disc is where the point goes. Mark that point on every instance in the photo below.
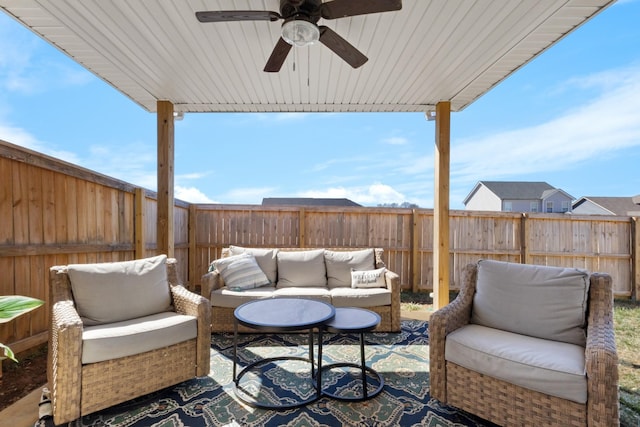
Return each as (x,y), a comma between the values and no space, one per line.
(430,51)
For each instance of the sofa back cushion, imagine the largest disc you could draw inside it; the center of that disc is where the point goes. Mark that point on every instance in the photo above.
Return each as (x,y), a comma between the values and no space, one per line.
(340,263)
(301,268)
(266,259)
(534,300)
(116,291)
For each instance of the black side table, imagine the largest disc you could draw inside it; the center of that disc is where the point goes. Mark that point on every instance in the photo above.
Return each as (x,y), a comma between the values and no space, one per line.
(281,315)
(354,320)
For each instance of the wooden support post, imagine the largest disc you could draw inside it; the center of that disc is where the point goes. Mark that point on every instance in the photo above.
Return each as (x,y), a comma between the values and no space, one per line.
(441,206)
(166,159)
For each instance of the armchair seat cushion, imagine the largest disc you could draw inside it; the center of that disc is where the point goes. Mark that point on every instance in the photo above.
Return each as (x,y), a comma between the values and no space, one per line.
(134,336)
(550,367)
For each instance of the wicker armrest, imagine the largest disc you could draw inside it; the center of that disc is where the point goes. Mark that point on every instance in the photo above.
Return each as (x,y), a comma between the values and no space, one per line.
(192,304)
(64,370)
(210,282)
(444,321)
(600,354)
(392,280)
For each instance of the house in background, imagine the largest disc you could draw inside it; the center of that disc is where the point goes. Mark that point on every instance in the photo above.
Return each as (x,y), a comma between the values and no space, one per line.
(518,196)
(624,206)
(307,201)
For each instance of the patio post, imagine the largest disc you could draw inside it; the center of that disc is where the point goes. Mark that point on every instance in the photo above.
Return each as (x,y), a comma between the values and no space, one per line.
(165,243)
(441,206)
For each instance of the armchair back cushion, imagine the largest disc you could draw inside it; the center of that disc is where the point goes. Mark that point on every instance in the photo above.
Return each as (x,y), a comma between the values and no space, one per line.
(118,291)
(538,301)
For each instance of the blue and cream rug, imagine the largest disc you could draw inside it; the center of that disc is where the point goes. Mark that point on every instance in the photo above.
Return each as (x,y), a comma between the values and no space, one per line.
(400,358)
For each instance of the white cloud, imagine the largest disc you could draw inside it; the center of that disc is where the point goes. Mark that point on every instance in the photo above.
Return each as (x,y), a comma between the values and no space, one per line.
(24,139)
(371,195)
(191,195)
(248,195)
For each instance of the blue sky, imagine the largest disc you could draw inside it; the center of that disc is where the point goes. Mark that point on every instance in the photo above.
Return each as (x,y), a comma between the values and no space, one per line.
(571,118)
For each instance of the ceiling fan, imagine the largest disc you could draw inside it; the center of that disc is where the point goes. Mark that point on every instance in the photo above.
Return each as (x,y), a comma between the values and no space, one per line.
(301,27)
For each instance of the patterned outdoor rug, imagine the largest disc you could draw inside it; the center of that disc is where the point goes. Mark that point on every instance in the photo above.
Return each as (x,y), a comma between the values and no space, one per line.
(400,358)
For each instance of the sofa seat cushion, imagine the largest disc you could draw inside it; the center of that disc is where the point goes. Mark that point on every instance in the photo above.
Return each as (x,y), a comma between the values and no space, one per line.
(546,366)
(539,301)
(225,297)
(340,263)
(301,268)
(363,297)
(315,293)
(134,336)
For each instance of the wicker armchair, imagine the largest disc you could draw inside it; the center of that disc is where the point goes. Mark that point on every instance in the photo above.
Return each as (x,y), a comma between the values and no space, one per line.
(506,403)
(79,387)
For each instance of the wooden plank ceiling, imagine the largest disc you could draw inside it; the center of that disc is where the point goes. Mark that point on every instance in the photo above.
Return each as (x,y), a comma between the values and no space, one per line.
(430,51)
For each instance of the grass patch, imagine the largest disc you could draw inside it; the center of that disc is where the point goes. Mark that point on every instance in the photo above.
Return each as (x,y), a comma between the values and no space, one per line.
(626,318)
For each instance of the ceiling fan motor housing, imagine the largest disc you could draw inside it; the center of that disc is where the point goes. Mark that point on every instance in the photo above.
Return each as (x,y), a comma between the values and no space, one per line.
(310,8)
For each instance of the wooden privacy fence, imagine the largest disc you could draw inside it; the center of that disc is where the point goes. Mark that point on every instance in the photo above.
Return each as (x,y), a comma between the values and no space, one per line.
(595,243)
(54,213)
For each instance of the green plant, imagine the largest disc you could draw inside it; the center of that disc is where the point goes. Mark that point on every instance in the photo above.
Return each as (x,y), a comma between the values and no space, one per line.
(12,306)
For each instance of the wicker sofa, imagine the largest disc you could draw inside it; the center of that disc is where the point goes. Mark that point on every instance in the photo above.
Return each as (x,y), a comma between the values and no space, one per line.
(322,274)
(119,331)
(528,345)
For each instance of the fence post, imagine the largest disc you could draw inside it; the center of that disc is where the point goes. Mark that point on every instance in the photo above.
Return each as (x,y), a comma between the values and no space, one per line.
(301,230)
(524,239)
(635,259)
(413,267)
(140,220)
(191,255)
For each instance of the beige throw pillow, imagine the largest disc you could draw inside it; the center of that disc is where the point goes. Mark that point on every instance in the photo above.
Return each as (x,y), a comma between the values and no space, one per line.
(266,259)
(368,278)
(241,272)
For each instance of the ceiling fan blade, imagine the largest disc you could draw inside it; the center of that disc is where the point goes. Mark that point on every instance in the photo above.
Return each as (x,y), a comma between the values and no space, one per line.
(343,8)
(237,15)
(279,54)
(341,47)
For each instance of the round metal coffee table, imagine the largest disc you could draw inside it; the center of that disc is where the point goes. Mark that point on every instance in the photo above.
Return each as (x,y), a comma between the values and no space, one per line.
(282,315)
(354,320)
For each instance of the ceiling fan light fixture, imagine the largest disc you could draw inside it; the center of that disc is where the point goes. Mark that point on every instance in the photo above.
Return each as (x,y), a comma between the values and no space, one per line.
(299,32)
